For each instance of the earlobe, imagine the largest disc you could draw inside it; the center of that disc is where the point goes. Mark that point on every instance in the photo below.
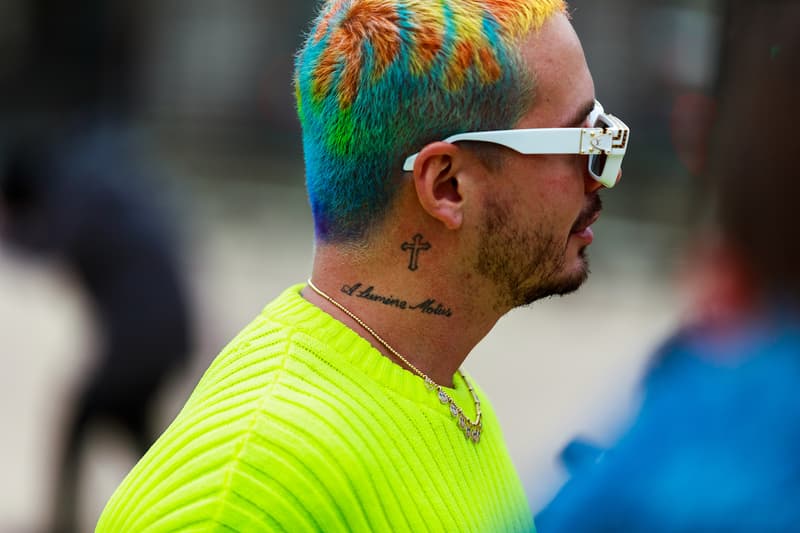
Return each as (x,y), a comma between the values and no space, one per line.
(436,179)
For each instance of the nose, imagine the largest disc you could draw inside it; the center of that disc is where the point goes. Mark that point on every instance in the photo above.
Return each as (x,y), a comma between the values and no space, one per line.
(591,184)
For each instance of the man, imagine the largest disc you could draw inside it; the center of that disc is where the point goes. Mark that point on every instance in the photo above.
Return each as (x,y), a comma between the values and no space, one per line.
(341,407)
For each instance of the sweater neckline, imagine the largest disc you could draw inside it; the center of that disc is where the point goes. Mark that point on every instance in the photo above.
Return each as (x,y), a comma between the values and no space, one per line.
(348,347)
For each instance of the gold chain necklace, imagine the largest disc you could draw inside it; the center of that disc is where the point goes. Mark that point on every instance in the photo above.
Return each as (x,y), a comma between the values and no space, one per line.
(472,430)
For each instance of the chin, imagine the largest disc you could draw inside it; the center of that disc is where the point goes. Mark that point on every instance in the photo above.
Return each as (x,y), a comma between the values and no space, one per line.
(566,281)
(580,267)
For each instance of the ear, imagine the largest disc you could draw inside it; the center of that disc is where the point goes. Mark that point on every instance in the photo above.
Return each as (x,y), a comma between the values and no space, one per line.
(436,179)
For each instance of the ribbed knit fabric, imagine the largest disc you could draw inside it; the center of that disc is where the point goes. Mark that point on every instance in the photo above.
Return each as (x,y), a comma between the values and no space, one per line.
(301,425)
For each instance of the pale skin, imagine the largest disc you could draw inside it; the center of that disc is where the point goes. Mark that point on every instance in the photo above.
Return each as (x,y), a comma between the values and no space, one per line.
(444,200)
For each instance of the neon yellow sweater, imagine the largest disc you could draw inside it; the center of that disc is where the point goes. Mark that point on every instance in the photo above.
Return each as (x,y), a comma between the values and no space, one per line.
(301,425)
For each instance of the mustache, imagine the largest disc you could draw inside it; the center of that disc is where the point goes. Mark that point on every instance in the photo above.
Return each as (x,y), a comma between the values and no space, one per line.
(592,210)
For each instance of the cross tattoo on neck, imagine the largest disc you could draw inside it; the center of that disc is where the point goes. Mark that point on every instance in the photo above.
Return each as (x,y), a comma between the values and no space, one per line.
(415,248)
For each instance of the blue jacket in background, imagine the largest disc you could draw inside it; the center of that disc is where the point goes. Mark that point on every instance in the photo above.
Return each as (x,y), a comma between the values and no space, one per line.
(715,447)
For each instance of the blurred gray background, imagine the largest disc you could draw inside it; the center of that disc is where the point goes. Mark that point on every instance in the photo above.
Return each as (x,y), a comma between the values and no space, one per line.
(208,102)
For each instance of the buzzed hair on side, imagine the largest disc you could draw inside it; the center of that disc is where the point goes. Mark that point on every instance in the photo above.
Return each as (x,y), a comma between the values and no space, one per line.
(378,79)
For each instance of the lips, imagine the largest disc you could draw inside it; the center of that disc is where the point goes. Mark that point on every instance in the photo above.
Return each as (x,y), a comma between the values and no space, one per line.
(584,223)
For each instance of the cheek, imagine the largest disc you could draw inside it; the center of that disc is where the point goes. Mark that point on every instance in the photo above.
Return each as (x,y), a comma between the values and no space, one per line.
(563,191)
(549,191)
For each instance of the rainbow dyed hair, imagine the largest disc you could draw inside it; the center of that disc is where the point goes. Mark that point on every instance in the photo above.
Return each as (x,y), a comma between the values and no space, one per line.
(376,80)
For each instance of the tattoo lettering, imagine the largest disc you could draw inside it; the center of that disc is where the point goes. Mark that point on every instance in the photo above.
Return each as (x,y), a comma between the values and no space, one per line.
(432,307)
(369,294)
(415,248)
(428,306)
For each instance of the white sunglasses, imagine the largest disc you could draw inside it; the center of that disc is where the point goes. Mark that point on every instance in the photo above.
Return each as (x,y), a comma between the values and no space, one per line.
(605,143)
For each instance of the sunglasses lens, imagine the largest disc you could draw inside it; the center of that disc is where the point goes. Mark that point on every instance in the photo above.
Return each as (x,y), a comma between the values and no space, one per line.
(597,164)
(601,122)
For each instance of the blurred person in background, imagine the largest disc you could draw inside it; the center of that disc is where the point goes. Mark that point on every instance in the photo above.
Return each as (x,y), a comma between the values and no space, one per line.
(83,202)
(75,189)
(714,447)
(341,407)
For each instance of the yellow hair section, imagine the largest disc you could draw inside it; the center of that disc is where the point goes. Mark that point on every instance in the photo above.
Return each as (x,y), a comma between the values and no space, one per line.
(472,48)
(519,18)
(430,21)
(468,21)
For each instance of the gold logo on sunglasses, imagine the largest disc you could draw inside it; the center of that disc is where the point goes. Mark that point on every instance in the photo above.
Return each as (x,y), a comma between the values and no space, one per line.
(620,139)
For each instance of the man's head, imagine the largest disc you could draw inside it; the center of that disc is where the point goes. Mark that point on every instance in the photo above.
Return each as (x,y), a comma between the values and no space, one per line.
(509,224)
(379,79)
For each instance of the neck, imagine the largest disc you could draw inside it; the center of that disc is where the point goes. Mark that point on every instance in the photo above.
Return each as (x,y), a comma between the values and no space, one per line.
(431,315)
